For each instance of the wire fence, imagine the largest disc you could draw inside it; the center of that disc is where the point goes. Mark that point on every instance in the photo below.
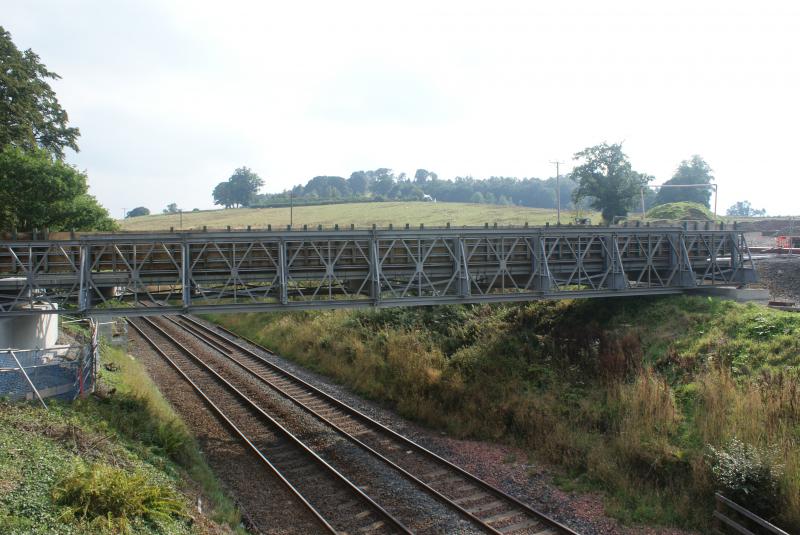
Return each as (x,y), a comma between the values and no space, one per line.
(63,372)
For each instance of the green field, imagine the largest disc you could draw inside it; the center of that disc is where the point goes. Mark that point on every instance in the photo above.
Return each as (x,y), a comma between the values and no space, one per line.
(358,214)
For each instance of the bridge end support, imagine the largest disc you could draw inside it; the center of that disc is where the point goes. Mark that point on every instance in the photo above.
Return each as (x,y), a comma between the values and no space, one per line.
(741,295)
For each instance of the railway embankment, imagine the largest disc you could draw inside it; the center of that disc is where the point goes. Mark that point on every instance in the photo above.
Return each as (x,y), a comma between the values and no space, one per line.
(120,461)
(654,402)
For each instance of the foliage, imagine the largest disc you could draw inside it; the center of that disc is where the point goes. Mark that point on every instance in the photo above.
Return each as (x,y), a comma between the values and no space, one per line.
(133,429)
(111,497)
(681,211)
(607,178)
(384,184)
(38,192)
(747,475)
(172,208)
(624,394)
(239,189)
(138,212)
(744,209)
(694,171)
(30,115)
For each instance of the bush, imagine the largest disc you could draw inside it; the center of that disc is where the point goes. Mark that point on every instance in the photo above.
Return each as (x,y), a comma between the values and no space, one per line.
(681,211)
(107,496)
(747,475)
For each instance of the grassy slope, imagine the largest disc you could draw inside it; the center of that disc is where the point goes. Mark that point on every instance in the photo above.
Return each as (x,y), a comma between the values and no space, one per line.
(359,214)
(625,394)
(134,429)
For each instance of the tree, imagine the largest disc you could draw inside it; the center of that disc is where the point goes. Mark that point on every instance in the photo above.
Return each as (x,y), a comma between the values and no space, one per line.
(244,186)
(744,209)
(38,191)
(30,115)
(608,180)
(694,171)
(384,181)
(240,188)
(477,198)
(138,212)
(171,208)
(222,194)
(358,183)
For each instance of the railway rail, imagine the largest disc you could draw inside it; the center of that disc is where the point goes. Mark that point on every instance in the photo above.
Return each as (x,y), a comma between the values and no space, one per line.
(488,508)
(335,503)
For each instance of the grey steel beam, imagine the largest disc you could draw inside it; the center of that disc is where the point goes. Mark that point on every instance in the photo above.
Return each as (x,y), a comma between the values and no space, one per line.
(321,269)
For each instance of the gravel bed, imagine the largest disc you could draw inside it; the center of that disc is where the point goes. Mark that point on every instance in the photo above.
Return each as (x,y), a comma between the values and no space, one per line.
(420,512)
(502,466)
(262,499)
(781,275)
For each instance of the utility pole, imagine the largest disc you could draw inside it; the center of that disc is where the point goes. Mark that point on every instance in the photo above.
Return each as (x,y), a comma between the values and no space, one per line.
(558,191)
(180,218)
(291,208)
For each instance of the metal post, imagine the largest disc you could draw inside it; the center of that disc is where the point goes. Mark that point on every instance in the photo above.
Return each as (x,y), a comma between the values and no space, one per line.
(84,296)
(558,192)
(186,274)
(641,192)
(28,378)
(282,272)
(375,269)
(716,196)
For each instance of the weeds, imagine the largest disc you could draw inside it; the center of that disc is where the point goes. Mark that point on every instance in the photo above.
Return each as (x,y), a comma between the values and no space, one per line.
(626,394)
(111,498)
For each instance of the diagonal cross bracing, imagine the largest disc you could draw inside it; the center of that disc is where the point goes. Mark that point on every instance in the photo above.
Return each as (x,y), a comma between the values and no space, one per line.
(235,271)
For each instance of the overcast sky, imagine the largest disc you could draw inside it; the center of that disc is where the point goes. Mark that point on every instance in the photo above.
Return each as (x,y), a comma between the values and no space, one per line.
(172,96)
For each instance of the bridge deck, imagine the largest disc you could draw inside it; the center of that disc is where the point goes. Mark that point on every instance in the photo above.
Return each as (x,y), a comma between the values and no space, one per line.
(237,271)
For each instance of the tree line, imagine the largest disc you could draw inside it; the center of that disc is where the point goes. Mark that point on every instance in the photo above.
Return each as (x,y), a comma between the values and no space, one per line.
(383,185)
(38,190)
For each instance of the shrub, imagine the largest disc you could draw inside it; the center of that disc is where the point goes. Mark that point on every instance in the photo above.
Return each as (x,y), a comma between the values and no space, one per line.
(747,475)
(111,497)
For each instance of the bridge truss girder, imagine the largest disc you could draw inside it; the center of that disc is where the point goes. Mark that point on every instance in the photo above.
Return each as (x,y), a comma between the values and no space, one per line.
(238,271)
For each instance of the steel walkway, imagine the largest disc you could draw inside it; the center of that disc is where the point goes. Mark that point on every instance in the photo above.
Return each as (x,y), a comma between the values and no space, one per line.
(290,270)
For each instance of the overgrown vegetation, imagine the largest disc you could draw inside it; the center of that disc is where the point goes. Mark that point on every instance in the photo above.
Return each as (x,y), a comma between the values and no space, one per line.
(628,396)
(121,464)
(681,211)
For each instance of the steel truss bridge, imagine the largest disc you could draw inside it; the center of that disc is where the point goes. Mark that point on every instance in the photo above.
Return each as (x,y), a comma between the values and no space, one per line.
(289,270)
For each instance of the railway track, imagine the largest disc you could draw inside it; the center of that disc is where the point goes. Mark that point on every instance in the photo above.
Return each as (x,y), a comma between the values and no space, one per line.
(487,507)
(321,491)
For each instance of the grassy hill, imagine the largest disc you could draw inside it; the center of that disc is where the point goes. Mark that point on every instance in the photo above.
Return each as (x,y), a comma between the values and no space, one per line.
(656,401)
(359,214)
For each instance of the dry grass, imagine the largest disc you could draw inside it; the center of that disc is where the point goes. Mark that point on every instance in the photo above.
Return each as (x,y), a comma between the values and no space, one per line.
(626,395)
(360,214)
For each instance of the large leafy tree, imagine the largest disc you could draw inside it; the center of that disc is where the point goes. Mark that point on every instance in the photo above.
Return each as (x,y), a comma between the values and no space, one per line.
(607,180)
(694,171)
(30,115)
(38,191)
(239,189)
